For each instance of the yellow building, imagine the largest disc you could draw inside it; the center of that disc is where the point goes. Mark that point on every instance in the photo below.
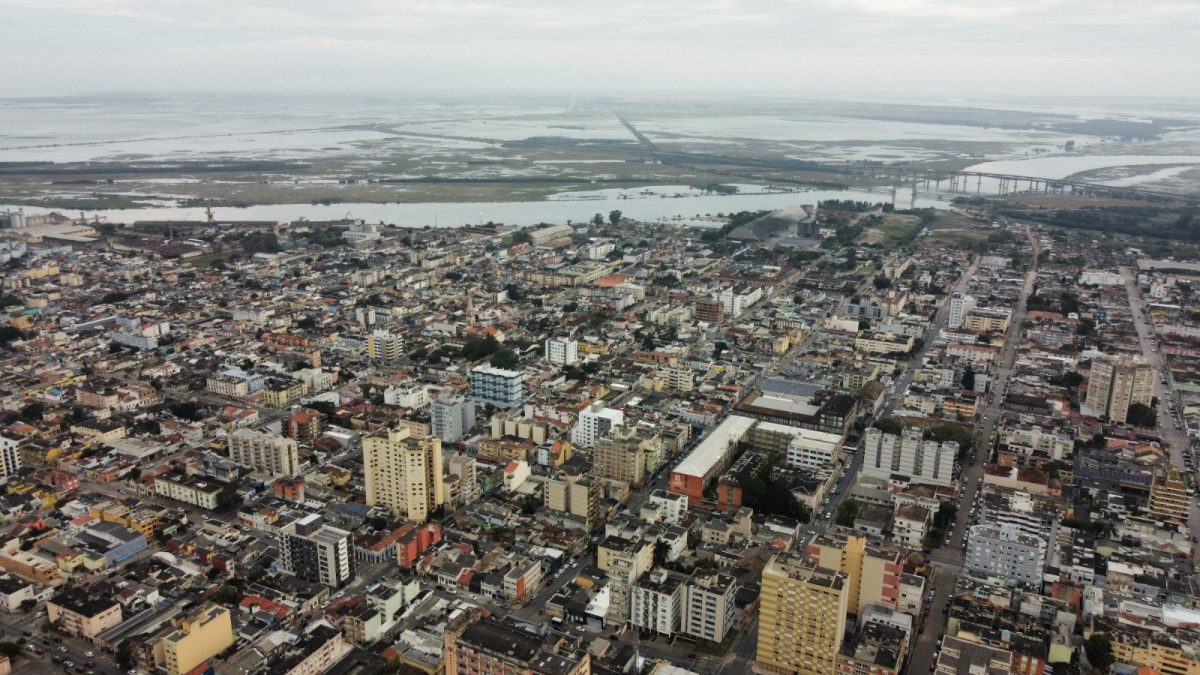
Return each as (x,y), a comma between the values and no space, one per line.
(872,571)
(802,617)
(197,636)
(987,320)
(959,405)
(143,519)
(1168,496)
(281,394)
(1161,652)
(404,473)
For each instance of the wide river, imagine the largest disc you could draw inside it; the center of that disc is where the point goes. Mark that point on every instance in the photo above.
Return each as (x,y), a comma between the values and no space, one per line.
(660,205)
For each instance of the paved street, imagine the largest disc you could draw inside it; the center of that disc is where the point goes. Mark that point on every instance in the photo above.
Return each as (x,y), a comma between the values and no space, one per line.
(68,649)
(1176,439)
(949,559)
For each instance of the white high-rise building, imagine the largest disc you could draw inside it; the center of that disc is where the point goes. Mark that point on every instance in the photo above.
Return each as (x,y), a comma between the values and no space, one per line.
(276,455)
(497,386)
(908,455)
(656,602)
(595,422)
(562,351)
(1005,551)
(451,417)
(960,304)
(10,458)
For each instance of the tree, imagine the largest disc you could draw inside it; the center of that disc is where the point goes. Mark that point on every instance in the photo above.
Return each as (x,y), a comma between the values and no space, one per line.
(33,412)
(1099,651)
(889,425)
(614,217)
(124,655)
(661,549)
(718,348)
(228,498)
(881,282)
(1142,415)
(597,220)
(968,379)
(847,513)
(530,504)
(505,358)
(10,334)
(187,410)
(28,604)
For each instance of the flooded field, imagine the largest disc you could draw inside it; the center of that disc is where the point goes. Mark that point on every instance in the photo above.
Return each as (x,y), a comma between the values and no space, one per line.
(146,152)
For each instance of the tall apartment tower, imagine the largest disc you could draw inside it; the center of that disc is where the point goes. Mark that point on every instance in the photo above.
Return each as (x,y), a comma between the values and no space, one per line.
(276,455)
(1169,498)
(10,458)
(451,417)
(595,421)
(562,351)
(384,346)
(960,304)
(312,550)
(619,457)
(801,617)
(403,473)
(872,571)
(1117,383)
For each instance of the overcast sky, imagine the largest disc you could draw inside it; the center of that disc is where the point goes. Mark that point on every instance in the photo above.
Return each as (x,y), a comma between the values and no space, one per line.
(1076,47)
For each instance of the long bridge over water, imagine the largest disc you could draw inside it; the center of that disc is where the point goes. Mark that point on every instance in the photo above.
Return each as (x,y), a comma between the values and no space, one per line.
(930,181)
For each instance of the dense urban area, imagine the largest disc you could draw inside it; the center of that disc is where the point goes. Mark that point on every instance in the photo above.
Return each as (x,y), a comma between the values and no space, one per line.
(839,438)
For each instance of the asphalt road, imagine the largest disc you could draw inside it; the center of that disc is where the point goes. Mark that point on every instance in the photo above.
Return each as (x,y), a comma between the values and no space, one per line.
(1176,439)
(948,560)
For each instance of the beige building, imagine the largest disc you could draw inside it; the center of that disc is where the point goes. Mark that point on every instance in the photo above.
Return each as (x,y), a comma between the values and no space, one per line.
(987,320)
(83,614)
(198,636)
(226,385)
(619,457)
(874,342)
(580,496)
(462,486)
(275,455)
(514,424)
(1114,384)
(188,489)
(802,617)
(404,473)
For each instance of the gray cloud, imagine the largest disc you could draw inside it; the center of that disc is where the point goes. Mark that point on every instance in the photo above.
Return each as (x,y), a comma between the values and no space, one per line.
(1089,47)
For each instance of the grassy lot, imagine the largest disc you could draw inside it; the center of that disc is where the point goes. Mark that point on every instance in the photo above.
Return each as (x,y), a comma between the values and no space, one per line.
(895,230)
